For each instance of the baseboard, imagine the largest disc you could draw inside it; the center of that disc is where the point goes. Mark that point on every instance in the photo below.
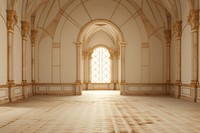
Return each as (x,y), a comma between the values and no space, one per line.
(188,98)
(16,98)
(3,101)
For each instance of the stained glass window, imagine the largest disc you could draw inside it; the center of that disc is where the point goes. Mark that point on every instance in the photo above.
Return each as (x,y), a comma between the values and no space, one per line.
(101,65)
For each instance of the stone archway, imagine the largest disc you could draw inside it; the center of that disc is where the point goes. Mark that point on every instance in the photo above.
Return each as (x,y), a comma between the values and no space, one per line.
(84,52)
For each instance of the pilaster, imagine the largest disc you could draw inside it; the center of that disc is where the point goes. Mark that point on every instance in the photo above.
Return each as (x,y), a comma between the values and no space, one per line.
(168,47)
(24,32)
(33,42)
(193,20)
(178,32)
(11,22)
(123,82)
(78,68)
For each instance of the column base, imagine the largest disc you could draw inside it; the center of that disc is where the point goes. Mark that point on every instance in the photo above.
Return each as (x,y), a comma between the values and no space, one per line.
(33,87)
(24,82)
(168,81)
(194,83)
(194,86)
(178,89)
(122,87)
(11,85)
(24,89)
(78,89)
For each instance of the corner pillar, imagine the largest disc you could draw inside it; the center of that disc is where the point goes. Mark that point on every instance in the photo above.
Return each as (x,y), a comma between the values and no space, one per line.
(11,21)
(78,90)
(122,57)
(178,32)
(33,42)
(193,20)
(25,29)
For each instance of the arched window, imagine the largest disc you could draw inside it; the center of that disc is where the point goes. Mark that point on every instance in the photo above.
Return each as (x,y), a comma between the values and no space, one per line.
(101,66)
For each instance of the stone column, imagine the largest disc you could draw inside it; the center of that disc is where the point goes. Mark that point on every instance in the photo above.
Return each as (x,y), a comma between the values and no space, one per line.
(168,41)
(111,51)
(178,32)
(33,42)
(193,20)
(90,69)
(117,54)
(84,55)
(78,90)
(123,82)
(11,21)
(25,29)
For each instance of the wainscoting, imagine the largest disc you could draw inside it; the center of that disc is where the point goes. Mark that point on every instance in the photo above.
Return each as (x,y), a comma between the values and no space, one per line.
(188,93)
(145,89)
(198,95)
(99,86)
(16,92)
(56,89)
(4,94)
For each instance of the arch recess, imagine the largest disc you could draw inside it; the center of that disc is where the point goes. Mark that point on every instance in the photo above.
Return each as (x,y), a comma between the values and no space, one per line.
(83,55)
(94,26)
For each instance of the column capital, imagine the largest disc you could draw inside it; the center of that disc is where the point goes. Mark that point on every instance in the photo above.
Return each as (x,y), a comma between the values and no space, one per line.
(79,44)
(11,19)
(90,53)
(122,44)
(193,19)
(25,28)
(178,28)
(84,53)
(111,51)
(33,36)
(167,36)
(117,53)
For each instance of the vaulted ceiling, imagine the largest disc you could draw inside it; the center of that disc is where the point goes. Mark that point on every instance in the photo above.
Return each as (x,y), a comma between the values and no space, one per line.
(47,14)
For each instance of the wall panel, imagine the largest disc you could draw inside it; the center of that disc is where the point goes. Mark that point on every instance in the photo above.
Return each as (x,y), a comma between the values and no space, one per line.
(3,52)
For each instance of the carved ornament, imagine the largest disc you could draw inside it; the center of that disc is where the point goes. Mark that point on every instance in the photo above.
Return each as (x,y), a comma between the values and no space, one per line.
(178,28)
(193,19)
(25,28)
(11,19)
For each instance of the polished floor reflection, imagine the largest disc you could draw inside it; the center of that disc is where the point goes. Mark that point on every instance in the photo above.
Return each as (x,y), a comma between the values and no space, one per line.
(100,112)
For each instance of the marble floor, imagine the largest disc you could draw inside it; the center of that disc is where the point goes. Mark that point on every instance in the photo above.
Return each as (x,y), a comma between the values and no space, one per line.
(100,112)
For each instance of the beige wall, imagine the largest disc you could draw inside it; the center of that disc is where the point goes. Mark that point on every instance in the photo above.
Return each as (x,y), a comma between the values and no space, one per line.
(66,34)
(45,60)
(69,35)
(186,45)
(141,23)
(3,51)
(17,55)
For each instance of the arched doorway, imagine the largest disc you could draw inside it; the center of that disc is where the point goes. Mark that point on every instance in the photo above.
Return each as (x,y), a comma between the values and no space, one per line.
(88,77)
